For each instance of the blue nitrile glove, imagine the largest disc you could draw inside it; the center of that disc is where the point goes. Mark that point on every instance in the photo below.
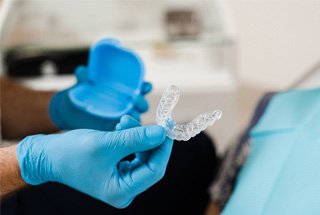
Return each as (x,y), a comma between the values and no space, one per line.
(66,116)
(90,161)
(127,122)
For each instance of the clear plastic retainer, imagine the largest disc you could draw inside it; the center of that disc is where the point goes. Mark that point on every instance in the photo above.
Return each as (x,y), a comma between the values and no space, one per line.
(186,130)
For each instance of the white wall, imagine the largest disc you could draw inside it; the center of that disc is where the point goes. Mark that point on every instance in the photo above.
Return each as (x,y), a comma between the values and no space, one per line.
(278,40)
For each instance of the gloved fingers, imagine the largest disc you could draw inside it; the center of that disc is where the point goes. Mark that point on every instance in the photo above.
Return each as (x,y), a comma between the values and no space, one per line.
(160,156)
(136,115)
(136,162)
(127,203)
(138,139)
(124,167)
(141,104)
(146,88)
(81,74)
(56,108)
(118,127)
(103,124)
(143,156)
(150,172)
(127,122)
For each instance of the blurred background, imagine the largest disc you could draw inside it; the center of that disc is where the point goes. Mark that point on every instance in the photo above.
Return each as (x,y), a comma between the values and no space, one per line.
(223,54)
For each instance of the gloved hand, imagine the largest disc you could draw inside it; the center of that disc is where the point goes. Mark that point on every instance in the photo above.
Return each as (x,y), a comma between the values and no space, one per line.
(66,116)
(90,161)
(127,122)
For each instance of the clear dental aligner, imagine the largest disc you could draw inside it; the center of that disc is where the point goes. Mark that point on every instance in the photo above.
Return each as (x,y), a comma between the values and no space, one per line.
(182,131)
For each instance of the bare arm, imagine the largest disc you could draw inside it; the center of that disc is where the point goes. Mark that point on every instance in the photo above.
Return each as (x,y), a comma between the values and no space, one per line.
(10,178)
(212,209)
(23,111)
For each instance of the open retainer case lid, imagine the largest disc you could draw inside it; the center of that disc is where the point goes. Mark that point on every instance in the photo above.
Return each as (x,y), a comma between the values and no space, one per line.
(115,77)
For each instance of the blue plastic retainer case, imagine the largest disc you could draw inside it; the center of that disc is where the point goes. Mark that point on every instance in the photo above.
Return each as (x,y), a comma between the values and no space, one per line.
(115,76)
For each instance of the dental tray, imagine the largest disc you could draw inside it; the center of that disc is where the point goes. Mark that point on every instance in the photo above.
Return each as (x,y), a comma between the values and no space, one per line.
(115,77)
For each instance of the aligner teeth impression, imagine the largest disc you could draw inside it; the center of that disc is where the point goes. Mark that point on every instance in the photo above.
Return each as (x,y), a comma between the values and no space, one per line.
(183,131)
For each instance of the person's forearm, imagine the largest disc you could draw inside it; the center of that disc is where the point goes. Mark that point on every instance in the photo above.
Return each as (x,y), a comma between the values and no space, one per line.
(23,111)
(212,209)
(10,177)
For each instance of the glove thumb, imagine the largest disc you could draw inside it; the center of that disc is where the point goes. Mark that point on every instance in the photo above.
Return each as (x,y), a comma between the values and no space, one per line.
(81,74)
(141,139)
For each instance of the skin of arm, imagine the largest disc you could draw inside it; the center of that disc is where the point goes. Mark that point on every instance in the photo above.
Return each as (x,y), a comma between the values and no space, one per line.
(212,209)
(10,177)
(20,109)
(23,111)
